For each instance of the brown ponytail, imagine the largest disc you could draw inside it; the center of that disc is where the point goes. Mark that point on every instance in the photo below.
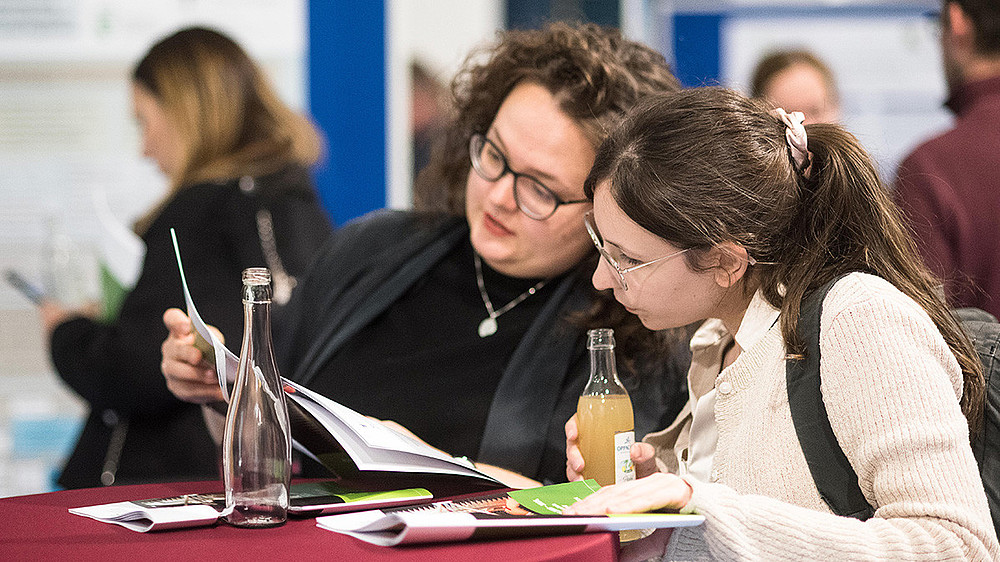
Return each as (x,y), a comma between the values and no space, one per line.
(850,223)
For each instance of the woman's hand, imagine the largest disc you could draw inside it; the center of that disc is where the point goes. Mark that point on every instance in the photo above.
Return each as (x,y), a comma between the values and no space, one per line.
(574,458)
(188,375)
(52,315)
(643,455)
(657,491)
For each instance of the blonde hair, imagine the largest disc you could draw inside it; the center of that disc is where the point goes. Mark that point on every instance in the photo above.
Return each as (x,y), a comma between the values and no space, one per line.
(231,121)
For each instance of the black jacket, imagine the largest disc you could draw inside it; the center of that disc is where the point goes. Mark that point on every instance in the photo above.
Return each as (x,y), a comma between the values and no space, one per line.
(116,367)
(371,263)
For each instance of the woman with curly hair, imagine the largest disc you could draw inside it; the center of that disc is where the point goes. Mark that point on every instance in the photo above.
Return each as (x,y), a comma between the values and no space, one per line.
(465,320)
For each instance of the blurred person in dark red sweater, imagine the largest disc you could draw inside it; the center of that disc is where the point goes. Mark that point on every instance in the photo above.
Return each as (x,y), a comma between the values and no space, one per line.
(950,185)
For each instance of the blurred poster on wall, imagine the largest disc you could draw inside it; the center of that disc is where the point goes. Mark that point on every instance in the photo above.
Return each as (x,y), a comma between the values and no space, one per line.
(121,29)
(887,66)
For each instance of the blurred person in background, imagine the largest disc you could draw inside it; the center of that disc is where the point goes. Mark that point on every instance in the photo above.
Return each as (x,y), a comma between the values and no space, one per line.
(949,186)
(428,113)
(240,195)
(797,80)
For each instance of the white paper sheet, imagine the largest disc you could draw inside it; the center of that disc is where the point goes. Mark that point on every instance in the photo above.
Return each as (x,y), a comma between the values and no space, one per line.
(226,362)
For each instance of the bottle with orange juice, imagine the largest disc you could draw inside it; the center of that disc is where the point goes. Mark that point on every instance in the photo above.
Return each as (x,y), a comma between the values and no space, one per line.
(605,424)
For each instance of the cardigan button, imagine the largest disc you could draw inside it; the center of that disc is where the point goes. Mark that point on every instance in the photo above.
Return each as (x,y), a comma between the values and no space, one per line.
(725,388)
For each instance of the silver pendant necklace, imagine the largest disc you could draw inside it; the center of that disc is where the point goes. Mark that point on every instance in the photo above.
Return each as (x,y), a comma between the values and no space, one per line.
(488,326)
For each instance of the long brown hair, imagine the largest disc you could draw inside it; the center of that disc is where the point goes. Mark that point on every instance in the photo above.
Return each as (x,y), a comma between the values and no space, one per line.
(597,76)
(707,166)
(231,121)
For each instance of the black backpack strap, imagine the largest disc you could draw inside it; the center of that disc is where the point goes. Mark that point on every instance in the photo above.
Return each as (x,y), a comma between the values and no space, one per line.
(831,471)
(984,331)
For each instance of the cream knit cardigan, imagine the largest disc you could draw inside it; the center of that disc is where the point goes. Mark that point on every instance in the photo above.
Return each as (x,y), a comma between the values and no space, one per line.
(891,388)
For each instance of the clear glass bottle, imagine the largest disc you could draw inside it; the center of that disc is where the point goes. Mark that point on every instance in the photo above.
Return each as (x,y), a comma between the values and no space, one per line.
(605,423)
(256,447)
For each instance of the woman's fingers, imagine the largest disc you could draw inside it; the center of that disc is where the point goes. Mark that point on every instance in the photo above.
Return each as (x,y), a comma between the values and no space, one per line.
(188,377)
(191,383)
(574,459)
(658,491)
(644,458)
(195,392)
(177,322)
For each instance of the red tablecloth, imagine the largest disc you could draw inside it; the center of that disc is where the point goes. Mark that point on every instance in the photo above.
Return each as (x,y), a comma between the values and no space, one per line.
(39,527)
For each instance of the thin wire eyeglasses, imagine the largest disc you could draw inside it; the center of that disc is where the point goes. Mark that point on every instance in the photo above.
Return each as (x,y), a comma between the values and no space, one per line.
(595,236)
(532,197)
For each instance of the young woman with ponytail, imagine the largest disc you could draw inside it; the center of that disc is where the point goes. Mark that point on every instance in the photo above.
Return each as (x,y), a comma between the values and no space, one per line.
(739,212)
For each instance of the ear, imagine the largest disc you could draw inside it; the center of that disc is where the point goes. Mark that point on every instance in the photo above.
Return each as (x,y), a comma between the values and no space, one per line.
(959,27)
(731,263)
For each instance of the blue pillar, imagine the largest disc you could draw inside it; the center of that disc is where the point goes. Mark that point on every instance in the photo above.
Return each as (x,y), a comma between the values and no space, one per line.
(696,48)
(347,100)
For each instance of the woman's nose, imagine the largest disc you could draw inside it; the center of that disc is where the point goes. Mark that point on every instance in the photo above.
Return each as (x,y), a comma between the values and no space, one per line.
(501,192)
(602,277)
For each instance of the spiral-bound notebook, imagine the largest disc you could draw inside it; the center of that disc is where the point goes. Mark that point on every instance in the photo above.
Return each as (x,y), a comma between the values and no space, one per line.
(494,515)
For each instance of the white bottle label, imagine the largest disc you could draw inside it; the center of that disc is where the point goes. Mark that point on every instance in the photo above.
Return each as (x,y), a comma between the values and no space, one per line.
(624,470)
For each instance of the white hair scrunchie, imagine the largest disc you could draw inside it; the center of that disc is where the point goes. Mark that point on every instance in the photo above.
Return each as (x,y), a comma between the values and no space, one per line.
(795,136)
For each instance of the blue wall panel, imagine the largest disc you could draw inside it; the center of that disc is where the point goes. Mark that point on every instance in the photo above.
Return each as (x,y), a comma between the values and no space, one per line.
(696,48)
(347,99)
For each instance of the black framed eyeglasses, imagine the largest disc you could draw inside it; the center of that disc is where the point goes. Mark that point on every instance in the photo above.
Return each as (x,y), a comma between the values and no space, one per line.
(531,195)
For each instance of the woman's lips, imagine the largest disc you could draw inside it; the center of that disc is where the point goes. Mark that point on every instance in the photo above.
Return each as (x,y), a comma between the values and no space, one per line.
(494,226)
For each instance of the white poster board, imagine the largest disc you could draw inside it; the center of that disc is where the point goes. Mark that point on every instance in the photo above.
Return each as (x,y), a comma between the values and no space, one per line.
(887,67)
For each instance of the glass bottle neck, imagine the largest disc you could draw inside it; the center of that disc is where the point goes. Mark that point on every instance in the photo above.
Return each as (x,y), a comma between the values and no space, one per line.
(256,320)
(256,294)
(602,364)
(603,373)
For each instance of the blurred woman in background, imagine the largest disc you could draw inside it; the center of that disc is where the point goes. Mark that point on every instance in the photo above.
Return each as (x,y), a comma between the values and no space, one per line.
(240,195)
(798,80)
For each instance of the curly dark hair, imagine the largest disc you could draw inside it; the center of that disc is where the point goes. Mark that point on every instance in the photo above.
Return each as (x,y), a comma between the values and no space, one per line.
(597,76)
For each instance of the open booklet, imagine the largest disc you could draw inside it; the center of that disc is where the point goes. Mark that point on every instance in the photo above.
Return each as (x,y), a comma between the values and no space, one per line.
(361,452)
(306,499)
(494,515)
